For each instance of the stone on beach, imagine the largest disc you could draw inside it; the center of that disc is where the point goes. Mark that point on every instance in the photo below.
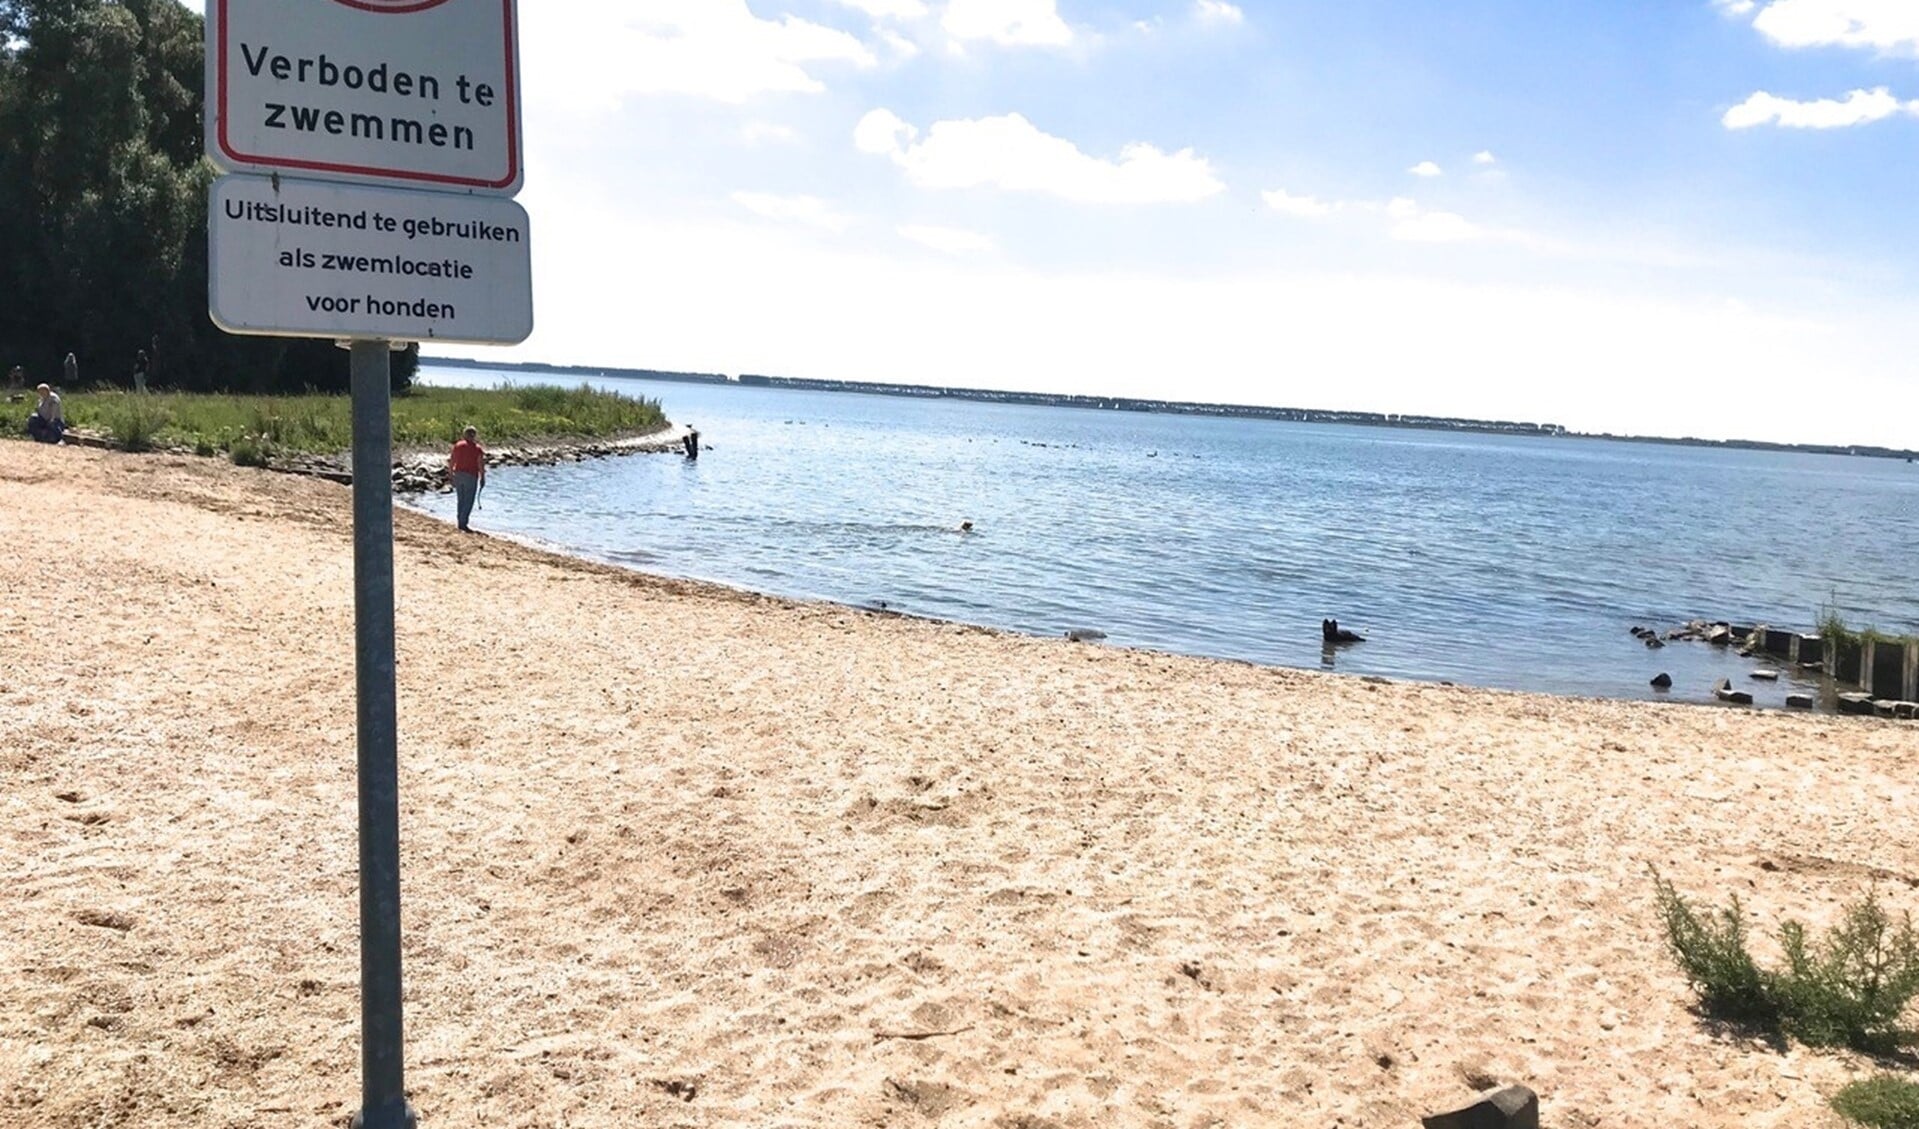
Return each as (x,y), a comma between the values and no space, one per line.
(1765,675)
(1856,704)
(1725,693)
(1514,1107)
(1799,701)
(1662,681)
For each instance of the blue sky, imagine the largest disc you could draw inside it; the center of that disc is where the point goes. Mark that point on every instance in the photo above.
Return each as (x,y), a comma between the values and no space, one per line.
(1679,217)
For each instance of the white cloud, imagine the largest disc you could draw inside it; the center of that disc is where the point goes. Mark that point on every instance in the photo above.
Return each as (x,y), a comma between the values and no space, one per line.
(1485,157)
(1010,153)
(1010,23)
(902,47)
(887,9)
(1415,224)
(759,133)
(1861,107)
(1404,219)
(1305,207)
(1218,11)
(1735,7)
(1891,26)
(809,210)
(951,240)
(1426,169)
(882,132)
(606,50)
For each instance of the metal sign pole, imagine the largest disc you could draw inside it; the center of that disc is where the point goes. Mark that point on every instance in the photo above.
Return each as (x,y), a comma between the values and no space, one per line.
(382,1052)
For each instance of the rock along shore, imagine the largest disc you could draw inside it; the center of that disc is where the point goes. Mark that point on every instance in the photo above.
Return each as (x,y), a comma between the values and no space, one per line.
(421,472)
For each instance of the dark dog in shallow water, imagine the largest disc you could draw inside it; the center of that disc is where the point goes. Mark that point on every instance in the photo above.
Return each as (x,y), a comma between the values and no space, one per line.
(1334,633)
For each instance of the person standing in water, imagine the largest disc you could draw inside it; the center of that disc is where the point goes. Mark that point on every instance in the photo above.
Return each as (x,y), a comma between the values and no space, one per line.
(468,467)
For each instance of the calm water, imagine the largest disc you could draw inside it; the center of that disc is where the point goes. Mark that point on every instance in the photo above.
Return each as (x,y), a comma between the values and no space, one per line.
(1484,560)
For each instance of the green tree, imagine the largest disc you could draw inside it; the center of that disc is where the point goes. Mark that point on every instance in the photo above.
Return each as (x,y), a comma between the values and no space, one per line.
(103,213)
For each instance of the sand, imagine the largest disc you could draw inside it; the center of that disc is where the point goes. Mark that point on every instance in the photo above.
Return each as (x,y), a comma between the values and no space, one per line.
(679,856)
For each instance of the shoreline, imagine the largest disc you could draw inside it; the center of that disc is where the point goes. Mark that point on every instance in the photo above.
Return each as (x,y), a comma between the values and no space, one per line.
(674,853)
(417,472)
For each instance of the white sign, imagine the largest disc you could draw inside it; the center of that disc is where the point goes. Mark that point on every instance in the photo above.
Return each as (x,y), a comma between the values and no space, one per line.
(419,93)
(303,258)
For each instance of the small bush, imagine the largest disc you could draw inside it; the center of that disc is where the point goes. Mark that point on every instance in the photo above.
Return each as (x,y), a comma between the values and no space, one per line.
(1833,629)
(1885,1102)
(1849,989)
(248,451)
(1712,952)
(134,421)
(204,447)
(263,419)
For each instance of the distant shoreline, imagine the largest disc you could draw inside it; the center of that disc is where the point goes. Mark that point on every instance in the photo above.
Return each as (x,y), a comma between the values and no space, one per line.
(1167,407)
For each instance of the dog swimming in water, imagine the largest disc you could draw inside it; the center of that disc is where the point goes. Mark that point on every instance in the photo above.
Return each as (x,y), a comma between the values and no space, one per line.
(1334,633)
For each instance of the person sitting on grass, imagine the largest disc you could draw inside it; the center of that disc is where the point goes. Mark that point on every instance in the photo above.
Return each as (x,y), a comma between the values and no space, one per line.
(468,466)
(47,423)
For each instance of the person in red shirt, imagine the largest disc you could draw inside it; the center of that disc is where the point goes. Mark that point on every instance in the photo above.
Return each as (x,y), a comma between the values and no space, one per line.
(468,467)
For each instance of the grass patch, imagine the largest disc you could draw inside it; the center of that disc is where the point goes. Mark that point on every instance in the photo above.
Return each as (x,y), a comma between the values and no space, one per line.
(1848,989)
(1832,626)
(322,424)
(136,422)
(1884,1102)
(1835,631)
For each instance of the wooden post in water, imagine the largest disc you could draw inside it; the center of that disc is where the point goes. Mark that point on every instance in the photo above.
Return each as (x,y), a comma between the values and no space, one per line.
(1911,693)
(1868,651)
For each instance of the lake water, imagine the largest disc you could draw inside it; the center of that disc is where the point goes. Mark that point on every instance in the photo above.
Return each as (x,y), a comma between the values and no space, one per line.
(1479,559)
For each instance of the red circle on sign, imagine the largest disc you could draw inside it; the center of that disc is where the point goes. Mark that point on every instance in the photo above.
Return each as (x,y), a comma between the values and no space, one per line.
(397,6)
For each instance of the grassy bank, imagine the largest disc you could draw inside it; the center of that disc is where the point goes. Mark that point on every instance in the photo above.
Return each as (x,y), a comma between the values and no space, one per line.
(1837,633)
(245,426)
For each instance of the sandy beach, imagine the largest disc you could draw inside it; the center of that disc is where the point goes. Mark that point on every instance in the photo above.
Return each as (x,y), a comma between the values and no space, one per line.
(679,856)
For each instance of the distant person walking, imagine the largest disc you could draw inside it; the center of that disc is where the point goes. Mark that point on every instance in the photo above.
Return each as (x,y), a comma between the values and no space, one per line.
(468,466)
(47,423)
(16,379)
(71,371)
(140,364)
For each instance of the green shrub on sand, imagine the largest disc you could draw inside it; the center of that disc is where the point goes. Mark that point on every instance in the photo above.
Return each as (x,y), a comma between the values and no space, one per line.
(1848,989)
(1884,1102)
